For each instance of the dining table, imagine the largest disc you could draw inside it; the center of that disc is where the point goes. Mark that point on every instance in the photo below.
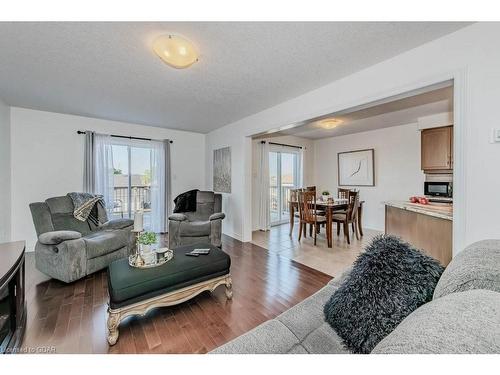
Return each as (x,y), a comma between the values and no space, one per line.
(329,207)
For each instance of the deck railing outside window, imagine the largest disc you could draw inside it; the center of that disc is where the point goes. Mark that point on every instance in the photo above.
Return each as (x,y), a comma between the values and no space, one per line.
(285,194)
(141,199)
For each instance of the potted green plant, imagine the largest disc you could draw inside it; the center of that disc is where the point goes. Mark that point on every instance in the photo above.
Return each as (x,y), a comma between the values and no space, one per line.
(325,194)
(145,240)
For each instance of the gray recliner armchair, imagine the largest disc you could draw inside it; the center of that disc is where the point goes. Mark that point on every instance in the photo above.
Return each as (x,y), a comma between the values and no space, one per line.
(202,226)
(69,249)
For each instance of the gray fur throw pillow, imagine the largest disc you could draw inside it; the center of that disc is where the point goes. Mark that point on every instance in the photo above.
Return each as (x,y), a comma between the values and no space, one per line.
(388,281)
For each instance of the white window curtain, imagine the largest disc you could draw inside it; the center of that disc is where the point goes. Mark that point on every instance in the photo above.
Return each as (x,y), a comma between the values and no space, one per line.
(159,210)
(168,182)
(160,194)
(263,188)
(103,159)
(301,166)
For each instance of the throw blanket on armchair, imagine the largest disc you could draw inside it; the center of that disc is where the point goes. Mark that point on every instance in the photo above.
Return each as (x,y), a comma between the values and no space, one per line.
(186,202)
(84,204)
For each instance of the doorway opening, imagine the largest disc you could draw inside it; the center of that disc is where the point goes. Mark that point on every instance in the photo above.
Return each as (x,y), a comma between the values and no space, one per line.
(411,136)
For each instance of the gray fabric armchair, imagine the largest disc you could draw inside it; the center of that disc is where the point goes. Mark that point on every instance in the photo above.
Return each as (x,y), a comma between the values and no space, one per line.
(69,249)
(202,226)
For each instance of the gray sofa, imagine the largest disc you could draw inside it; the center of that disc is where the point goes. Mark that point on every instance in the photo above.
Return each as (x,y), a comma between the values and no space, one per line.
(202,226)
(69,249)
(463,317)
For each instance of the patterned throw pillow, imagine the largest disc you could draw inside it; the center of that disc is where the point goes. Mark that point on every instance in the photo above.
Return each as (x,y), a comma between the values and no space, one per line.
(388,281)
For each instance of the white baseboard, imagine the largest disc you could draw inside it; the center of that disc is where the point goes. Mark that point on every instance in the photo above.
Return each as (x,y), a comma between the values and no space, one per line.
(236,236)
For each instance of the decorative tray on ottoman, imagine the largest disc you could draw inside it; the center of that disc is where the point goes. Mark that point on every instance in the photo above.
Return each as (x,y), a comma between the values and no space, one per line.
(154,259)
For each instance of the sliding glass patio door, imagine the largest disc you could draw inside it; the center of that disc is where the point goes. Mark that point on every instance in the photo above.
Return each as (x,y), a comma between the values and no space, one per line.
(132,181)
(284,172)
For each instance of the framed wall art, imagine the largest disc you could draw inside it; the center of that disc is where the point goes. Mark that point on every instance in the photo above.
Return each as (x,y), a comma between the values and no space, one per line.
(356,168)
(222,170)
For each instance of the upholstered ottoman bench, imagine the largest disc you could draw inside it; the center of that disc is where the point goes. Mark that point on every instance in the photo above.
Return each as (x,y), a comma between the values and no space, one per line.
(135,291)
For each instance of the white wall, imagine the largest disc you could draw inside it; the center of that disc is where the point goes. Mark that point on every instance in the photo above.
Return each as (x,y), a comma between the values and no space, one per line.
(308,146)
(47,159)
(469,52)
(237,204)
(397,167)
(5,192)
(435,121)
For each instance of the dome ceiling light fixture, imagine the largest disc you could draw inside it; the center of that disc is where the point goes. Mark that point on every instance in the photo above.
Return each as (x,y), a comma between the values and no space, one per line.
(329,123)
(176,51)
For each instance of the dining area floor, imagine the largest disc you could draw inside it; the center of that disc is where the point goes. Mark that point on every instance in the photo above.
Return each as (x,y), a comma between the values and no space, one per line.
(331,261)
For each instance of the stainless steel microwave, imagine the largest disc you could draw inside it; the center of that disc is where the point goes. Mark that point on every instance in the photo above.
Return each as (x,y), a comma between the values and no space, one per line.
(438,189)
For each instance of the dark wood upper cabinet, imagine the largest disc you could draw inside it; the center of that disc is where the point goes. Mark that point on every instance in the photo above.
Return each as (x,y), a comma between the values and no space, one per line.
(437,149)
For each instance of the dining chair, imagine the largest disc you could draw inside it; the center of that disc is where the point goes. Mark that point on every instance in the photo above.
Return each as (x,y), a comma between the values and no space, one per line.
(294,197)
(343,193)
(318,211)
(293,194)
(308,213)
(349,217)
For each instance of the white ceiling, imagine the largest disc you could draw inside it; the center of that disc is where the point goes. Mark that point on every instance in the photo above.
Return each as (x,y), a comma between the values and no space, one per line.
(401,111)
(107,70)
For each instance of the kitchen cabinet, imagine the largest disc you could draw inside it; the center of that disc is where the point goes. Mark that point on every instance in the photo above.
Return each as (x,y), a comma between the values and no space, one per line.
(437,149)
(423,230)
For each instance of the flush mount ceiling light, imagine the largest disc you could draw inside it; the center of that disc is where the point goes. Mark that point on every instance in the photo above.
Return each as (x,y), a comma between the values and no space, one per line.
(175,51)
(329,123)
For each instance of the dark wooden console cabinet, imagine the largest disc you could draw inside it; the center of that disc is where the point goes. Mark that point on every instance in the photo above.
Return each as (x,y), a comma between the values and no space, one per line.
(12,296)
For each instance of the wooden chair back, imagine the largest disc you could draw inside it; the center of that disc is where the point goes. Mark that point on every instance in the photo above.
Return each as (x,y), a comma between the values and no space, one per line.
(353,205)
(343,193)
(307,206)
(294,192)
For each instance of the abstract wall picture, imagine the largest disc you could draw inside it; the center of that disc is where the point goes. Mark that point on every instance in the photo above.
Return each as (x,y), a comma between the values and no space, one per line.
(222,170)
(356,168)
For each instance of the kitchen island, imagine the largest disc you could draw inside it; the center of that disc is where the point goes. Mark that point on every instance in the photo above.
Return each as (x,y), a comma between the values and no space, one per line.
(427,227)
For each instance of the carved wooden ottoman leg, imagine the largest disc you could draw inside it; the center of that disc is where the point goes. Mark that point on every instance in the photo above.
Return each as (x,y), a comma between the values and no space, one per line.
(113,322)
(229,288)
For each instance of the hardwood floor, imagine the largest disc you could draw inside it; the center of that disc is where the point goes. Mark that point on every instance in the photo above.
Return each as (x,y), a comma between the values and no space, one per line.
(331,261)
(70,318)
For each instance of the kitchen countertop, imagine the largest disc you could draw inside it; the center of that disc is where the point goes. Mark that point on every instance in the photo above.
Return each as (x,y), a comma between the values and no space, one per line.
(432,209)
